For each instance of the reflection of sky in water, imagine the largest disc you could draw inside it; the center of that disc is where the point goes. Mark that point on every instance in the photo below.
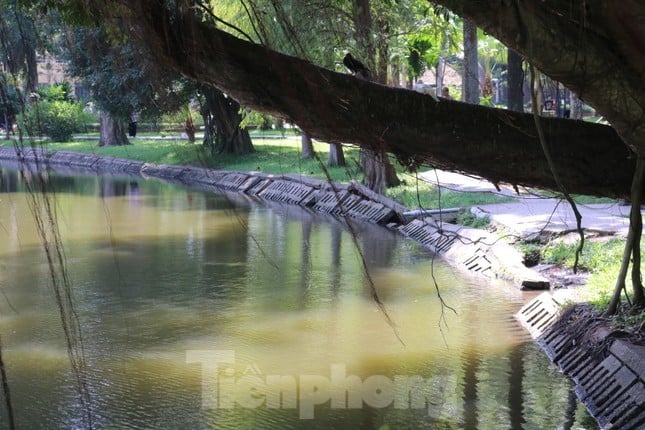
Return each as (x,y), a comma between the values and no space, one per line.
(158,271)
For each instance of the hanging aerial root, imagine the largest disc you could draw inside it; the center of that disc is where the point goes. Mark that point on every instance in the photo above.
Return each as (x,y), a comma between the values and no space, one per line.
(632,245)
(554,171)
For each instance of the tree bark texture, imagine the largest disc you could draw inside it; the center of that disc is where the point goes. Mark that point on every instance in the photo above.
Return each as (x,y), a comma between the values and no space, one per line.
(499,145)
(373,171)
(336,155)
(112,131)
(377,170)
(471,64)
(307,146)
(222,116)
(576,106)
(515,76)
(362,18)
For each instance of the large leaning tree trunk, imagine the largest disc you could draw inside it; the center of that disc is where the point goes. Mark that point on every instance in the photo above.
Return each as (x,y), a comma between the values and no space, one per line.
(606,71)
(497,144)
(112,131)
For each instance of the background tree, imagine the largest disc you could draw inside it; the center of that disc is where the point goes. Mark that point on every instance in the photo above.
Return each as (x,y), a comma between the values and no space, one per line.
(122,81)
(470,81)
(222,131)
(419,56)
(9,102)
(515,79)
(19,41)
(24,32)
(379,172)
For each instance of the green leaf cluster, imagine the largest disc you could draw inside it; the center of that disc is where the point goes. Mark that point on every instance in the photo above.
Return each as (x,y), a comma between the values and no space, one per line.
(55,114)
(421,54)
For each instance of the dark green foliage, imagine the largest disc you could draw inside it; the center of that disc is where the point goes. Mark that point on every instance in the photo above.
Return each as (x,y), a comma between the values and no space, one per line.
(9,100)
(56,93)
(420,56)
(54,114)
(466,218)
(121,79)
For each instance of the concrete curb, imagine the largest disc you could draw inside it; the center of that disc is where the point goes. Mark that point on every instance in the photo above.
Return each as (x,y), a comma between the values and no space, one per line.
(474,250)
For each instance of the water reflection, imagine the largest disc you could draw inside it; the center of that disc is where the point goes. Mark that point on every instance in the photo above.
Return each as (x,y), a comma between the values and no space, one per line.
(515,384)
(159,271)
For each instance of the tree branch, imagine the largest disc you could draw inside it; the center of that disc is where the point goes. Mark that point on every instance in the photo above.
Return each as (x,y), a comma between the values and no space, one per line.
(579,45)
(497,144)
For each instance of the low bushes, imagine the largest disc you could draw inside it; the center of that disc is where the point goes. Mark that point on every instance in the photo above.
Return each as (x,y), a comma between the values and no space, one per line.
(52,112)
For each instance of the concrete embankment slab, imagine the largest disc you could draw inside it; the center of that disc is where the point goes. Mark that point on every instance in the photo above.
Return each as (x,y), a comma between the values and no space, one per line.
(609,373)
(476,250)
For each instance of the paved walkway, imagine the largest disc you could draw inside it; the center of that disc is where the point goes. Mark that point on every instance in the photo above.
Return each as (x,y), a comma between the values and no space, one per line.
(529,215)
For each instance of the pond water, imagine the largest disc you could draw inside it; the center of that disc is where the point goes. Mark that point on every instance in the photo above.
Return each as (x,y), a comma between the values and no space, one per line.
(206,311)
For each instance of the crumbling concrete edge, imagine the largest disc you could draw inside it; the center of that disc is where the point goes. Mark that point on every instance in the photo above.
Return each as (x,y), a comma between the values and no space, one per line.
(475,250)
(608,373)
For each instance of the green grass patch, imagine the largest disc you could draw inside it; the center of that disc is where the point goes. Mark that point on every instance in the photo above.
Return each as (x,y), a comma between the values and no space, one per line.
(600,258)
(283,156)
(466,218)
(596,256)
(278,156)
(420,194)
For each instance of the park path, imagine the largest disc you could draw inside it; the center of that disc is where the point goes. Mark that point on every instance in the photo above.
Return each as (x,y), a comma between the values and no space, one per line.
(528,214)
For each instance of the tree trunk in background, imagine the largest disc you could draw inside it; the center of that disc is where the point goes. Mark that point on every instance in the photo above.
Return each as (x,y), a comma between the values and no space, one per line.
(382,51)
(112,132)
(391,178)
(32,69)
(210,130)
(576,106)
(379,172)
(336,156)
(395,78)
(222,116)
(538,91)
(441,70)
(471,65)
(373,170)
(515,76)
(374,164)
(190,129)
(307,146)
(362,17)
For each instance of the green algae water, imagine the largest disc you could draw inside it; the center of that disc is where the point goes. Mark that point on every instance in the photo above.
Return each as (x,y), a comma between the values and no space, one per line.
(207,311)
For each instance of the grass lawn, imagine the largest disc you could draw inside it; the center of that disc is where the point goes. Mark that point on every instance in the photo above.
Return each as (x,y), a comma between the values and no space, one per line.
(602,260)
(278,156)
